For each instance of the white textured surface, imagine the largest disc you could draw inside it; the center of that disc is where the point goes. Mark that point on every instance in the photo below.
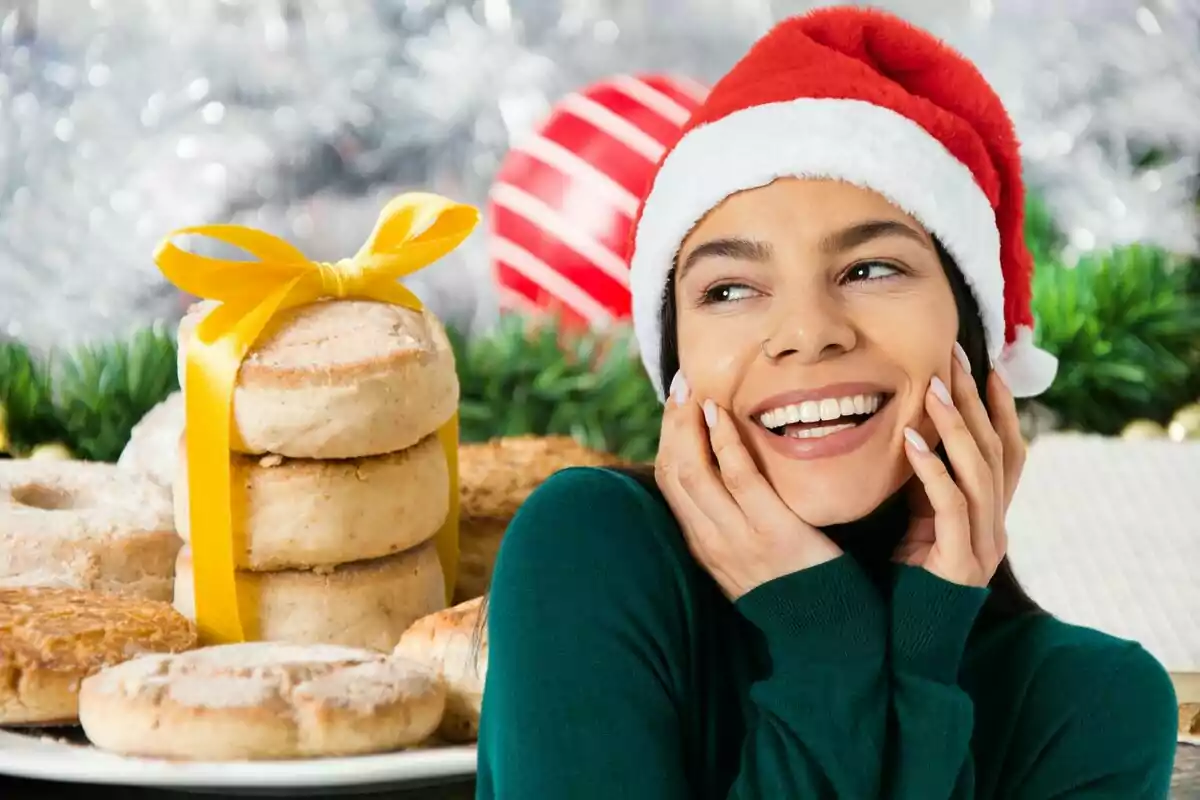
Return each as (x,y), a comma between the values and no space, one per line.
(1106,533)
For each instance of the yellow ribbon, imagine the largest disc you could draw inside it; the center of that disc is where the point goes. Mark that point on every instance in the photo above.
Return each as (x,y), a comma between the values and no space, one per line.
(413,231)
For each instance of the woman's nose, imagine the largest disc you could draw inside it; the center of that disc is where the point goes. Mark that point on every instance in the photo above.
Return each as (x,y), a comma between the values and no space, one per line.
(810,329)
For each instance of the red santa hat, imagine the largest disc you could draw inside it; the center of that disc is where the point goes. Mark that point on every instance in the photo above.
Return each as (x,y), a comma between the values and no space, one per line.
(864,97)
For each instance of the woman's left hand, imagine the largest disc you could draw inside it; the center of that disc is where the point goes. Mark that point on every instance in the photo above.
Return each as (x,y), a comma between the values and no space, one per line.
(957,531)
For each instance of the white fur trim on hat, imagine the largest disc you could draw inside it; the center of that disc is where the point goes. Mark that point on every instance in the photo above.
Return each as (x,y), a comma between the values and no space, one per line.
(851,140)
(1028,369)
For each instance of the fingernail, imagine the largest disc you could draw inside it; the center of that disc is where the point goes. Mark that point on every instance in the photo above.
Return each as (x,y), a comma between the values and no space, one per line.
(916,440)
(998,368)
(710,412)
(940,390)
(961,355)
(679,389)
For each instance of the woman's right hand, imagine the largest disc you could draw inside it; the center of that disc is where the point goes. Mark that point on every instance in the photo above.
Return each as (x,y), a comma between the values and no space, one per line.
(735,524)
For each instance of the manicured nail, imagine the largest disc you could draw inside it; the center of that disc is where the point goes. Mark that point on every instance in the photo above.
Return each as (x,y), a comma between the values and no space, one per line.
(961,355)
(916,440)
(1002,374)
(940,390)
(679,389)
(710,412)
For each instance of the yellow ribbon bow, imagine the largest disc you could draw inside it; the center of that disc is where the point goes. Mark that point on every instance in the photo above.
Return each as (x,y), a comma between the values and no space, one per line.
(413,231)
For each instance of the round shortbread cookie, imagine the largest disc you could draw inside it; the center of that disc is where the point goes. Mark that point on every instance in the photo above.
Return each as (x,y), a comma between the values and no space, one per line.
(301,513)
(495,478)
(51,639)
(340,379)
(367,604)
(85,525)
(261,701)
(151,449)
(453,643)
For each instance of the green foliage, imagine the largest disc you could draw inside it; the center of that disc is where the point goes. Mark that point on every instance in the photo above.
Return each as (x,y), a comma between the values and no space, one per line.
(27,399)
(102,391)
(539,380)
(89,399)
(1126,331)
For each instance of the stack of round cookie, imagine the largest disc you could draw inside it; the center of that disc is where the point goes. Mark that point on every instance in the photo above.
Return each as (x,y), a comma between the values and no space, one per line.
(340,482)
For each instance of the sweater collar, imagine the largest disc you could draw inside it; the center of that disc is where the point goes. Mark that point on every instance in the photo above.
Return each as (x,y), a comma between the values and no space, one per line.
(873,539)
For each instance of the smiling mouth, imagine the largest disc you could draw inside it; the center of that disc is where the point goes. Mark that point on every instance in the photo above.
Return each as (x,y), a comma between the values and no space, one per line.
(815,419)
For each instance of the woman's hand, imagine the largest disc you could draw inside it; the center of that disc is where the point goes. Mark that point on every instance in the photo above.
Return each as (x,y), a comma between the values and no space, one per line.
(957,531)
(735,524)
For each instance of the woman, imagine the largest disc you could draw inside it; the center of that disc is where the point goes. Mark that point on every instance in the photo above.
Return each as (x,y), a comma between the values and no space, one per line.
(810,599)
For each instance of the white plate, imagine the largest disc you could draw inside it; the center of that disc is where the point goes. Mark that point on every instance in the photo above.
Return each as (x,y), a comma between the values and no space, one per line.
(25,756)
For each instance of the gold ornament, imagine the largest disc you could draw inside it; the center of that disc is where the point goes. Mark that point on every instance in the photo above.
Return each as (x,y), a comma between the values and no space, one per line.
(50,452)
(1143,429)
(1185,424)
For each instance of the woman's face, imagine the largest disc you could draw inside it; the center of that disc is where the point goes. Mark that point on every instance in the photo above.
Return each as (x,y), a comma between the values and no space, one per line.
(847,296)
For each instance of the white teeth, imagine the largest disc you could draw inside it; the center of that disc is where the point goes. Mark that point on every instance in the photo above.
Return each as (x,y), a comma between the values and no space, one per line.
(819,432)
(824,410)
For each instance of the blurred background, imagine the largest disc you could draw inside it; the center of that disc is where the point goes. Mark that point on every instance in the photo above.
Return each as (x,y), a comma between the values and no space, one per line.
(123,119)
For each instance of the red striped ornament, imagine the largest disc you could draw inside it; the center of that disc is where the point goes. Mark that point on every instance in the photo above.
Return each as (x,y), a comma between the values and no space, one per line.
(563,204)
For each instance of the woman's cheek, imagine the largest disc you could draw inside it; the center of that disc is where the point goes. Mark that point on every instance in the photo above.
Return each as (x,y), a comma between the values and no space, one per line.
(706,378)
(713,368)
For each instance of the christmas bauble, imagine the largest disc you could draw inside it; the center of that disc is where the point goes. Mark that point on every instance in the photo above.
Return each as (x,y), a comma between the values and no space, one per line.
(563,202)
(1185,424)
(1141,429)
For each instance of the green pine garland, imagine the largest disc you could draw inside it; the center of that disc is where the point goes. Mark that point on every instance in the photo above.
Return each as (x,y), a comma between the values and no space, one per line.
(1125,326)
(102,391)
(26,401)
(523,380)
(88,399)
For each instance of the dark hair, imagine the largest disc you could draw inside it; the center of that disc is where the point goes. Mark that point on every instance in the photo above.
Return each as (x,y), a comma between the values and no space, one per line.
(1008,598)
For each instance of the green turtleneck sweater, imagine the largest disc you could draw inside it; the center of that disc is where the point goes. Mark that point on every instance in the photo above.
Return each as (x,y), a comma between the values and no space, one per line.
(618,671)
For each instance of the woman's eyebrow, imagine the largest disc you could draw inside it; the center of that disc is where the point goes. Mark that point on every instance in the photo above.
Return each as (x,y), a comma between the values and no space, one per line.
(741,249)
(863,232)
(837,242)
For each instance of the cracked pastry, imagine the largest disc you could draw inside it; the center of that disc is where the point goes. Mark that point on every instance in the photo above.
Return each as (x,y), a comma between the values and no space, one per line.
(52,639)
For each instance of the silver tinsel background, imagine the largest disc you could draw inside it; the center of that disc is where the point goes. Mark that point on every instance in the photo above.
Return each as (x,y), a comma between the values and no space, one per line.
(121,119)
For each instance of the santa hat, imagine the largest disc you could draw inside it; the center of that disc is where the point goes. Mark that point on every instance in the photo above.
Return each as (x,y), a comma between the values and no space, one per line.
(864,97)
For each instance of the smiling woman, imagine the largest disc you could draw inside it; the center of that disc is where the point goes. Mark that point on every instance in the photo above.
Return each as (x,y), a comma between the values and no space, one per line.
(809,413)
(850,307)
(810,596)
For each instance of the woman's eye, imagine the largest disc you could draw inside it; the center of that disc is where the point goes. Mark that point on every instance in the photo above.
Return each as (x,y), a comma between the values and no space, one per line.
(871,271)
(728,293)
